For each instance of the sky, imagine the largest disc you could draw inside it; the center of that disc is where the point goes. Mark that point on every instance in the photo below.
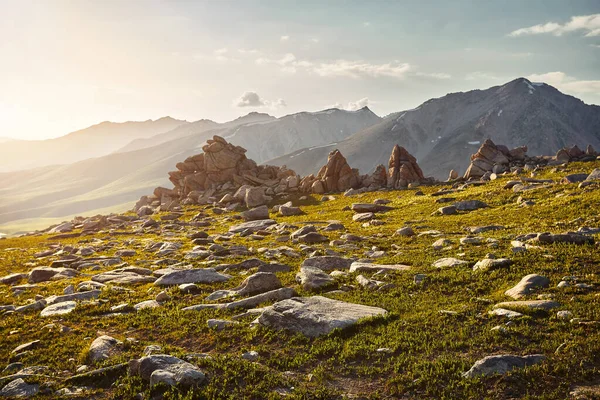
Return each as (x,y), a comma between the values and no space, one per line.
(66,65)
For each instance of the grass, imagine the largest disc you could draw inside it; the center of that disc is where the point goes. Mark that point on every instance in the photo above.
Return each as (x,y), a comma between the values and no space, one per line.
(428,350)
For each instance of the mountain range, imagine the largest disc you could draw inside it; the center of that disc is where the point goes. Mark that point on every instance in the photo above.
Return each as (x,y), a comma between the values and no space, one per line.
(442,133)
(130,159)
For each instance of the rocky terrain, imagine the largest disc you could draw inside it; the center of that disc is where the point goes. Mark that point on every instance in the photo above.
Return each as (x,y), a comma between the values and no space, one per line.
(443,132)
(485,286)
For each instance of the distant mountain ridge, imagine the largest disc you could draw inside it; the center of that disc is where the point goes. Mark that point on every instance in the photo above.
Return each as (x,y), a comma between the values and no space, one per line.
(94,141)
(443,132)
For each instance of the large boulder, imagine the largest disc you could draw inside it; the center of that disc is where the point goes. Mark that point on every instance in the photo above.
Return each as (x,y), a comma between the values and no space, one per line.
(202,275)
(336,175)
(315,316)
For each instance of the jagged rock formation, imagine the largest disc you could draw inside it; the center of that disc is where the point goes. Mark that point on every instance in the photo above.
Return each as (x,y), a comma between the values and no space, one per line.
(225,175)
(335,176)
(492,158)
(403,169)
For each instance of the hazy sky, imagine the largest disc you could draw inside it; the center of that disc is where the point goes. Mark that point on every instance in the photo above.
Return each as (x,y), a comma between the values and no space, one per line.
(66,65)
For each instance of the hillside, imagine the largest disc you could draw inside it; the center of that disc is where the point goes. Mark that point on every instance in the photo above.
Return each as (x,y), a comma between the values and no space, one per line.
(97,140)
(119,179)
(410,303)
(442,133)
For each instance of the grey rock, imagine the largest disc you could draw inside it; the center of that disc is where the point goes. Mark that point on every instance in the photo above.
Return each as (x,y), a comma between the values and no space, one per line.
(315,316)
(61,308)
(79,296)
(594,175)
(313,237)
(328,263)
(526,285)
(470,205)
(166,369)
(220,324)
(102,348)
(19,389)
(256,214)
(447,210)
(491,263)
(501,364)
(312,278)
(448,262)
(250,302)
(252,226)
(12,278)
(362,217)
(203,275)
(370,267)
(528,304)
(369,208)
(405,231)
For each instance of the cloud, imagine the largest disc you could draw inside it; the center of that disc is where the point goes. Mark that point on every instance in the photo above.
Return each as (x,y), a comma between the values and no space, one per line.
(366,24)
(358,104)
(252,99)
(352,105)
(247,51)
(434,75)
(481,75)
(315,40)
(567,83)
(358,69)
(284,38)
(589,24)
(595,45)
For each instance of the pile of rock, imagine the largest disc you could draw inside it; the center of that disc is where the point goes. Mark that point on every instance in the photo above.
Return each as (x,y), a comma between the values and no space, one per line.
(223,175)
(221,170)
(497,159)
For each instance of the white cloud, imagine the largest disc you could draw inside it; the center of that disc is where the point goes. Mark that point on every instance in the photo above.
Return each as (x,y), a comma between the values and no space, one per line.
(315,40)
(595,45)
(434,75)
(481,75)
(252,99)
(589,24)
(567,83)
(358,69)
(284,38)
(247,51)
(358,104)
(366,24)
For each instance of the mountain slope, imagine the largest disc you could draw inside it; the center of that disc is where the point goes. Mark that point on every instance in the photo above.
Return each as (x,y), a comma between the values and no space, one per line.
(192,128)
(120,178)
(94,141)
(442,133)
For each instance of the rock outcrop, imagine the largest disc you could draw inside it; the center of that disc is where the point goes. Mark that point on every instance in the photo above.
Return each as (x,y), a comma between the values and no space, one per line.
(335,176)
(403,169)
(497,159)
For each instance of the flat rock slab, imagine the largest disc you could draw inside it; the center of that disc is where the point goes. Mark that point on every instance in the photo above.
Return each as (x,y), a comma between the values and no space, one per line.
(501,364)
(369,267)
(491,263)
(58,309)
(502,312)
(469,205)
(328,263)
(253,226)
(448,262)
(203,275)
(90,294)
(122,278)
(315,316)
(528,304)
(370,208)
(250,302)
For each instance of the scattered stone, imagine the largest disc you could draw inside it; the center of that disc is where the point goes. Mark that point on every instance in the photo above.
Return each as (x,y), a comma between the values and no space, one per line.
(220,324)
(470,205)
(369,208)
(256,214)
(250,356)
(405,231)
